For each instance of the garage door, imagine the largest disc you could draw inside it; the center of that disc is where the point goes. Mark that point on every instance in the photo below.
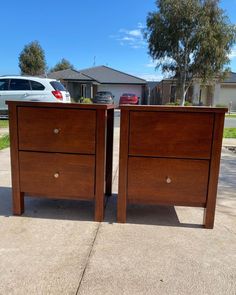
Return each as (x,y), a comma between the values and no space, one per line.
(228,94)
(118,90)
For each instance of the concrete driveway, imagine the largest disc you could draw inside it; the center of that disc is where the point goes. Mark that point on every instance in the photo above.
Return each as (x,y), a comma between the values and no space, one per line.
(56,248)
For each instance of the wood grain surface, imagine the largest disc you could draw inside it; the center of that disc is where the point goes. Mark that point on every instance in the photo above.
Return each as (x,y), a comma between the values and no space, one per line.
(180,135)
(57,130)
(57,174)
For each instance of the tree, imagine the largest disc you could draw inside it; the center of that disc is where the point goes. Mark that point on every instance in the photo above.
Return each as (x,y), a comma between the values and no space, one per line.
(190,39)
(63,64)
(32,59)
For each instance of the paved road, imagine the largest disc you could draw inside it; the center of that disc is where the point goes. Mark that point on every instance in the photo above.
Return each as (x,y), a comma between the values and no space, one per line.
(230,122)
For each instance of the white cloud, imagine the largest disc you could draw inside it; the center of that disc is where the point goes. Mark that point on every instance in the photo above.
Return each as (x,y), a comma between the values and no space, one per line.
(232,54)
(135,33)
(132,38)
(150,77)
(128,39)
(151,64)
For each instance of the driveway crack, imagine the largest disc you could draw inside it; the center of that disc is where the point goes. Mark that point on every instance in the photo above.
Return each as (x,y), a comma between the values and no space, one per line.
(88,258)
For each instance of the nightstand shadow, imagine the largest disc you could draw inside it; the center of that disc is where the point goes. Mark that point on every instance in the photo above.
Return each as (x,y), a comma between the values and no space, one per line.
(48,208)
(147,214)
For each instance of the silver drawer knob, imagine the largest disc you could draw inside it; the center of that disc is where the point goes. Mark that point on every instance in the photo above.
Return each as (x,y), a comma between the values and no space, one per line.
(168,180)
(56,175)
(56,131)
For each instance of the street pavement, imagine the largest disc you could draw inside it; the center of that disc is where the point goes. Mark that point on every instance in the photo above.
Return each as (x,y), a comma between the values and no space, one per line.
(55,247)
(230,122)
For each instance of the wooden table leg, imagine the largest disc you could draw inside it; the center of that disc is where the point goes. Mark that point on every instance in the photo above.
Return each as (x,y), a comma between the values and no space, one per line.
(109,151)
(100,166)
(209,214)
(18,203)
(17,195)
(123,167)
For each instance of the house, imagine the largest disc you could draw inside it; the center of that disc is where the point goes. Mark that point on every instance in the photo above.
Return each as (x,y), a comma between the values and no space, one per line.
(220,93)
(86,82)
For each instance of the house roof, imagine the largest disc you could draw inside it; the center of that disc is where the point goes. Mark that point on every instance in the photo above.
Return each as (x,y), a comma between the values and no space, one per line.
(106,75)
(231,78)
(69,74)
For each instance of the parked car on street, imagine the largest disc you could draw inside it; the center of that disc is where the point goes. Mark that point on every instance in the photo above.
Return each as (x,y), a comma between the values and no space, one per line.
(129,98)
(30,89)
(104,97)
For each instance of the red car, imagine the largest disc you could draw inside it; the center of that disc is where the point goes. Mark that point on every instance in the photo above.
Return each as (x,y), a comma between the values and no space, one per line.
(129,98)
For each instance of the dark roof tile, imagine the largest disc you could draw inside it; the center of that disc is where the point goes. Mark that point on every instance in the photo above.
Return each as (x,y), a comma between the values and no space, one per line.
(106,75)
(69,74)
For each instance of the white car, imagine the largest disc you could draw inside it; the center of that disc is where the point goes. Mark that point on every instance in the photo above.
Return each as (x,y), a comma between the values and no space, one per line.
(30,89)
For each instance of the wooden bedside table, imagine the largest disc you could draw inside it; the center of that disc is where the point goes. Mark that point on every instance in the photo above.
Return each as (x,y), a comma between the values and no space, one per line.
(170,156)
(61,151)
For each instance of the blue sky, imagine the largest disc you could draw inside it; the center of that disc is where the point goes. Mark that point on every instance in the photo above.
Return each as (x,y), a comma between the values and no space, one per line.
(77,30)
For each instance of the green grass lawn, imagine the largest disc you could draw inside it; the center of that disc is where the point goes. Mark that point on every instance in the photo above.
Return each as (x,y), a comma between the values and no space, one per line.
(4,123)
(230,133)
(230,116)
(4,141)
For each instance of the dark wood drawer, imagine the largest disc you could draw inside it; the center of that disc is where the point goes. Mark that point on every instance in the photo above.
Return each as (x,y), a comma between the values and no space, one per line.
(61,175)
(169,134)
(167,181)
(57,130)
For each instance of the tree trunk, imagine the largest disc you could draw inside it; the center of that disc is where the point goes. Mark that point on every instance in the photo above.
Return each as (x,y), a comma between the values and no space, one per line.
(182,87)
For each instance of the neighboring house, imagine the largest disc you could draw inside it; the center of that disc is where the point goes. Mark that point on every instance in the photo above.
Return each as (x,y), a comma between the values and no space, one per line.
(76,83)
(87,82)
(220,93)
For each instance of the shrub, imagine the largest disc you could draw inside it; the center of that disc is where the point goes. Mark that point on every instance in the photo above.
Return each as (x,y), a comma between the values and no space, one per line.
(221,106)
(187,104)
(85,100)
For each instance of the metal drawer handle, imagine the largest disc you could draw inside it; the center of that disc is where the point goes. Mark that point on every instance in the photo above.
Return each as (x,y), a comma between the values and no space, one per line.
(56,131)
(56,175)
(168,179)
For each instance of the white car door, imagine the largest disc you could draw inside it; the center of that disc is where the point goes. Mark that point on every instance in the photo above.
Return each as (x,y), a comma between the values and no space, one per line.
(19,89)
(4,84)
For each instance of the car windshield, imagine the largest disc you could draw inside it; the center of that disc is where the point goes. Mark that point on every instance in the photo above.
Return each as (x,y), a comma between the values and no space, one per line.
(57,86)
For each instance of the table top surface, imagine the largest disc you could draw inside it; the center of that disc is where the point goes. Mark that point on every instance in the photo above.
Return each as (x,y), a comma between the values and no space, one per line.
(61,105)
(164,108)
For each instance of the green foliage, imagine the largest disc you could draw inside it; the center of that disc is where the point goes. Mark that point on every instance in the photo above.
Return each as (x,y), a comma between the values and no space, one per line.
(190,39)
(86,100)
(188,104)
(221,106)
(230,133)
(172,103)
(4,141)
(32,60)
(4,123)
(63,64)
(177,103)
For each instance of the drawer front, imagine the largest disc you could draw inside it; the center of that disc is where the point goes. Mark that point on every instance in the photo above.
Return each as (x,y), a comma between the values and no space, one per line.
(169,134)
(167,181)
(57,130)
(57,174)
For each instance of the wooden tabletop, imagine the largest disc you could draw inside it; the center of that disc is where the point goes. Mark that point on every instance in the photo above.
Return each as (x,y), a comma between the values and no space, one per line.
(61,105)
(165,108)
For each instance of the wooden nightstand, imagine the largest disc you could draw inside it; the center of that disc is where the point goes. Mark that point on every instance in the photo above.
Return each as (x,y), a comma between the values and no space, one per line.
(61,151)
(170,156)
